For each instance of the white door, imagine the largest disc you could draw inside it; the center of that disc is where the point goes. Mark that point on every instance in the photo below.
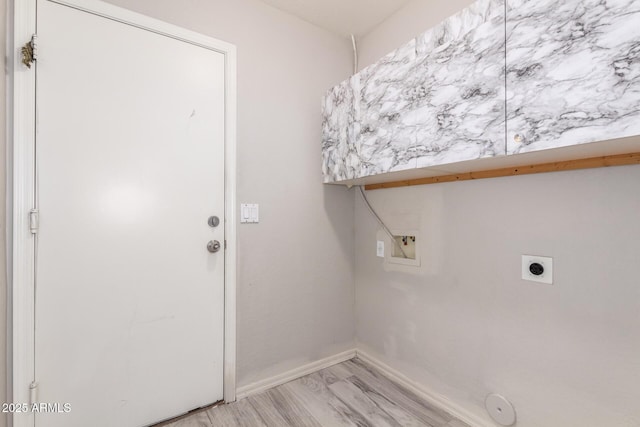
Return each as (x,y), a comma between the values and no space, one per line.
(130,145)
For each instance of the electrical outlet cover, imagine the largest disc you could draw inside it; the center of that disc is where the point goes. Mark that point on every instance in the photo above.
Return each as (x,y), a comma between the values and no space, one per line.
(547,269)
(380,249)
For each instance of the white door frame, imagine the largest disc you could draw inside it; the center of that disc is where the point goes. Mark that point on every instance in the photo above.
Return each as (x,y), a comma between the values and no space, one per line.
(20,188)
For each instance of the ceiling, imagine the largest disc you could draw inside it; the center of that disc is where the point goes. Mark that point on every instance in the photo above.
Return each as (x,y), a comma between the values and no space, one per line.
(342,17)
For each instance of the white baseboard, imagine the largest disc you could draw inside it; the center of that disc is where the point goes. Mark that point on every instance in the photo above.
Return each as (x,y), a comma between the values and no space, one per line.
(425,392)
(285,377)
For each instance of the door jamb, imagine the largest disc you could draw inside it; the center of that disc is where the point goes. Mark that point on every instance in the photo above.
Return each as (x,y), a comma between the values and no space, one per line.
(21,125)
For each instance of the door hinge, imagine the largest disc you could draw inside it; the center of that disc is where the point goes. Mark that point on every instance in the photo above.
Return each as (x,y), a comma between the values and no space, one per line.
(33,393)
(30,51)
(34,221)
(225,244)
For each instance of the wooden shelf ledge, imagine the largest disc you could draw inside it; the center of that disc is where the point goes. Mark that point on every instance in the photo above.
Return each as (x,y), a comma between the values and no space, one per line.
(566,165)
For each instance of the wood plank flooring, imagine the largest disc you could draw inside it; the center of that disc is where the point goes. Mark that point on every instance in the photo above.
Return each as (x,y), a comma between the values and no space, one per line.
(350,394)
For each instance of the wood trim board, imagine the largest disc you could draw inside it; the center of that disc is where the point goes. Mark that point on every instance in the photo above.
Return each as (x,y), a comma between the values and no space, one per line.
(567,165)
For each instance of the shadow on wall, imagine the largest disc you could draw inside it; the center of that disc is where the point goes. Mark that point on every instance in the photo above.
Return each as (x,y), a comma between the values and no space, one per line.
(338,201)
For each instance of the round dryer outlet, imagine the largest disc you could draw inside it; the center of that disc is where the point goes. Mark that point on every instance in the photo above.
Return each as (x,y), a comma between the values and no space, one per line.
(500,409)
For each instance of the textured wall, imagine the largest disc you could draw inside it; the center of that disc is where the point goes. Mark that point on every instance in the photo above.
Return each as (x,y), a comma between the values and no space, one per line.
(295,284)
(410,21)
(465,324)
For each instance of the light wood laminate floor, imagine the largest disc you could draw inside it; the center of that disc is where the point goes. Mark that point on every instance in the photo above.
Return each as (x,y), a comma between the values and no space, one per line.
(351,393)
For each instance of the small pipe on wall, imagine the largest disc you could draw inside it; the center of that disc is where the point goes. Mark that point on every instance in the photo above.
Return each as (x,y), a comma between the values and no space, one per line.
(355,54)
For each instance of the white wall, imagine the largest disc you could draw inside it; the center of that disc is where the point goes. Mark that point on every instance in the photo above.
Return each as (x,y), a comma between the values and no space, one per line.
(411,20)
(295,288)
(464,324)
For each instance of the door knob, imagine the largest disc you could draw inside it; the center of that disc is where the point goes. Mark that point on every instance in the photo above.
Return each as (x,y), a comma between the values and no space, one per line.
(213,246)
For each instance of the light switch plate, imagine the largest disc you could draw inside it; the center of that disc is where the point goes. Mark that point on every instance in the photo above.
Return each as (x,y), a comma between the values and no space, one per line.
(380,249)
(249,213)
(546,265)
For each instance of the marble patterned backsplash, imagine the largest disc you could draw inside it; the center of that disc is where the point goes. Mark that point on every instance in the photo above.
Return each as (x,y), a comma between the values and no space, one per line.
(500,77)
(341,131)
(418,106)
(460,72)
(573,76)
(387,124)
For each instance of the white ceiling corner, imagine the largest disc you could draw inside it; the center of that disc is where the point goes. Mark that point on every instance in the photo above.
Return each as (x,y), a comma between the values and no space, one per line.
(343,17)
